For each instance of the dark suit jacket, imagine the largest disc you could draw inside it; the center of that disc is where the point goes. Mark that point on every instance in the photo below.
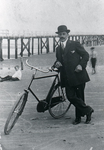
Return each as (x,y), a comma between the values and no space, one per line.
(74,54)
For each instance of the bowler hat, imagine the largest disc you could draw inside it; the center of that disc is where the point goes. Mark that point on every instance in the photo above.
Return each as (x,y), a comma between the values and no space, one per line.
(63,28)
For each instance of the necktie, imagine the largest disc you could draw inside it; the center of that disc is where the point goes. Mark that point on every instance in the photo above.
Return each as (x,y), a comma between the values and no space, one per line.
(62,45)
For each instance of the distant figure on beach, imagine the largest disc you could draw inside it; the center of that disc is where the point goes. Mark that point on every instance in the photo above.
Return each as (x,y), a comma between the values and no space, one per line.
(93,59)
(15,77)
(83,43)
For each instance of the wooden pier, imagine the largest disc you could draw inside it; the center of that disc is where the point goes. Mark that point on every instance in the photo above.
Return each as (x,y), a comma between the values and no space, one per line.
(41,44)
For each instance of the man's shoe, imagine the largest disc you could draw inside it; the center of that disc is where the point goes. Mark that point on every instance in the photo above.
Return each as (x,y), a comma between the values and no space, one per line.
(88,117)
(77,121)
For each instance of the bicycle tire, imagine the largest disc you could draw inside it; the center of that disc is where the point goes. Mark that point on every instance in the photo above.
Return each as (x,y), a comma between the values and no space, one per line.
(62,105)
(15,112)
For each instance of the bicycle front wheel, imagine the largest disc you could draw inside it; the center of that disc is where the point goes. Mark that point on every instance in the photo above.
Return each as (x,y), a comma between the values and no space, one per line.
(15,112)
(59,104)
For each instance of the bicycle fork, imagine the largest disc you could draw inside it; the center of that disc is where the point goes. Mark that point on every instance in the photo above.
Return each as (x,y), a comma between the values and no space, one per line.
(24,102)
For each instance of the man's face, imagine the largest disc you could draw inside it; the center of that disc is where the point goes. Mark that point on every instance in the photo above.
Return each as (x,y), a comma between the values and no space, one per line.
(63,36)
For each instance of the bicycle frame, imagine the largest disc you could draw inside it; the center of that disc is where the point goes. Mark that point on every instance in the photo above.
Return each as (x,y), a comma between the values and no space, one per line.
(36,78)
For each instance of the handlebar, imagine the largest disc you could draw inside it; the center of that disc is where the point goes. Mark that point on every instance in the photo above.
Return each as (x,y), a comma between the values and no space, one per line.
(36,68)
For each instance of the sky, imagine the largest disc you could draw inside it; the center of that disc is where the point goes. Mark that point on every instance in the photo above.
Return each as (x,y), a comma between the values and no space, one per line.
(44,16)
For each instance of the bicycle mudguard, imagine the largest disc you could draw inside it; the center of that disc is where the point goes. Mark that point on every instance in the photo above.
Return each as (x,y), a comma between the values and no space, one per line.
(42,106)
(56,100)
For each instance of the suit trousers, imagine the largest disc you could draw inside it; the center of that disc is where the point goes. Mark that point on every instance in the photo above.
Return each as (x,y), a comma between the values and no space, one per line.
(75,95)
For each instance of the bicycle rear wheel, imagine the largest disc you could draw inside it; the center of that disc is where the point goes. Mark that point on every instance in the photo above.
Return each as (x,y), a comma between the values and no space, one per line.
(15,112)
(59,104)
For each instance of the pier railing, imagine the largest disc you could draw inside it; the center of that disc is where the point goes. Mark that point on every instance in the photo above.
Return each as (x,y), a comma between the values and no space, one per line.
(20,46)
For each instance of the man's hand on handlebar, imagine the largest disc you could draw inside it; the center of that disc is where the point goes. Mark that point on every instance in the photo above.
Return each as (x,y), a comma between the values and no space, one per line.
(53,69)
(56,66)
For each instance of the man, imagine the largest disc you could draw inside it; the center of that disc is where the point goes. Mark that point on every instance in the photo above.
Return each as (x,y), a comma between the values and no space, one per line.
(93,59)
(72,61)
(15,77)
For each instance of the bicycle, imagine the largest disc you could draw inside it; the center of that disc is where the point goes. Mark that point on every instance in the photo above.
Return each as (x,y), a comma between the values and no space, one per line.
(56,102)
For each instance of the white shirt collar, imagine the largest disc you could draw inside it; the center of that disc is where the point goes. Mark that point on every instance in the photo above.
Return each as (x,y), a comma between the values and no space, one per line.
(64,42)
